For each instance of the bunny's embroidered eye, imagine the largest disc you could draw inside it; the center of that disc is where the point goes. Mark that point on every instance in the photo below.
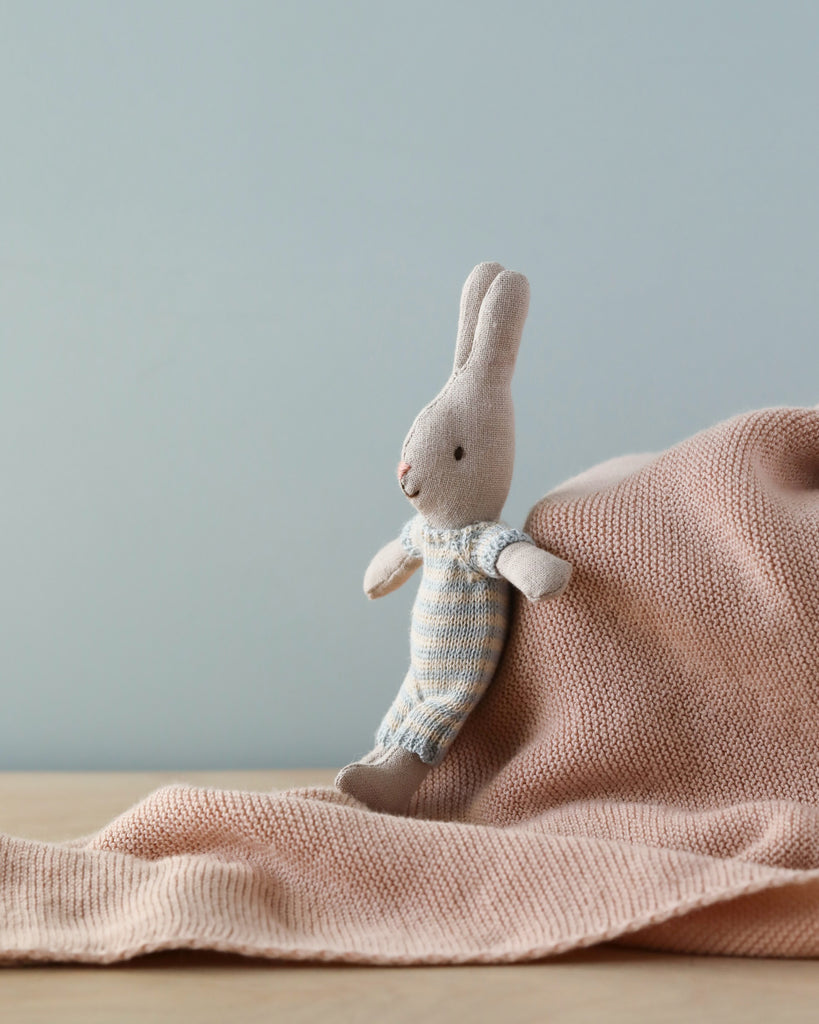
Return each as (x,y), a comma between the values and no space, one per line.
(458,453)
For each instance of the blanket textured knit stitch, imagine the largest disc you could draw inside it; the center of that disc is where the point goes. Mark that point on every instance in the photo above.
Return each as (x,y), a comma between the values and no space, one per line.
(459,623)
(644,767)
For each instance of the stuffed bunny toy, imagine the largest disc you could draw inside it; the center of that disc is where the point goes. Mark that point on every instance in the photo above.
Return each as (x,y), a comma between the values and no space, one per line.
(456,470)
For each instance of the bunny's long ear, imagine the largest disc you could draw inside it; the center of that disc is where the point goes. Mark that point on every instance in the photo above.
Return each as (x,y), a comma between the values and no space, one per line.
(500,323)
(472,295)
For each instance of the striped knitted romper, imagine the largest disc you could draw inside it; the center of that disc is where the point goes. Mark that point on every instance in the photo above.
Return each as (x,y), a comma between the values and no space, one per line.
(459,622)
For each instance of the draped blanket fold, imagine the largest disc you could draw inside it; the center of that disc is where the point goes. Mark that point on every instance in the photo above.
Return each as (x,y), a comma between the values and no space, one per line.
(643,769)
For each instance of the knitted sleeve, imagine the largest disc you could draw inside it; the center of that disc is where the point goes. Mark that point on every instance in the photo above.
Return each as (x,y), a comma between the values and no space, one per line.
(482,554)
(410,537)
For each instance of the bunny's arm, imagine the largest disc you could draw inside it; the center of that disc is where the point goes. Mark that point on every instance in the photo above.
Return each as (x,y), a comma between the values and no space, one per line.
(392,566)
(536,573)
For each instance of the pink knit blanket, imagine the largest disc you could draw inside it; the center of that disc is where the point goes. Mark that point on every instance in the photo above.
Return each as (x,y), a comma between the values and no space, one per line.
(644,768)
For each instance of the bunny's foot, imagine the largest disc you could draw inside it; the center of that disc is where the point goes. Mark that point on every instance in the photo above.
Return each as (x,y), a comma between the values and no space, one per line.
(384,779)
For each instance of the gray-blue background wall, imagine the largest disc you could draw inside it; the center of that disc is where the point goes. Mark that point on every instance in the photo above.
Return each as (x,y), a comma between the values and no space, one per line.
(232,241)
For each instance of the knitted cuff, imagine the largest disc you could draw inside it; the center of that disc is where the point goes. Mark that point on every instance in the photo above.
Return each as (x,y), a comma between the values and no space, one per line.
(489,545)
(406,537)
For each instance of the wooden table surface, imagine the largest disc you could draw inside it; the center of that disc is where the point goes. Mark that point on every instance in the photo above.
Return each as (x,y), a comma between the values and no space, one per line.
(602,984)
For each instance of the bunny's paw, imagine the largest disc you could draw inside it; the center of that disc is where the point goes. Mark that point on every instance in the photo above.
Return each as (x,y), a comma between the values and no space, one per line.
(536,573)
(384,780)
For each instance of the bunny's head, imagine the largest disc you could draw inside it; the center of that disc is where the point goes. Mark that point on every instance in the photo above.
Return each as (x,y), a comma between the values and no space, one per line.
(457,459)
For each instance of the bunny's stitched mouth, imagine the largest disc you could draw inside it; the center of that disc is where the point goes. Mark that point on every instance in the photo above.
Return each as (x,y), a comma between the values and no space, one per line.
(407,495)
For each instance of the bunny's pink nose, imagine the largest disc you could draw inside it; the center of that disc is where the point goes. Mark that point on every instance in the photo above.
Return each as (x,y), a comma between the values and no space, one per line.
(403,469)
